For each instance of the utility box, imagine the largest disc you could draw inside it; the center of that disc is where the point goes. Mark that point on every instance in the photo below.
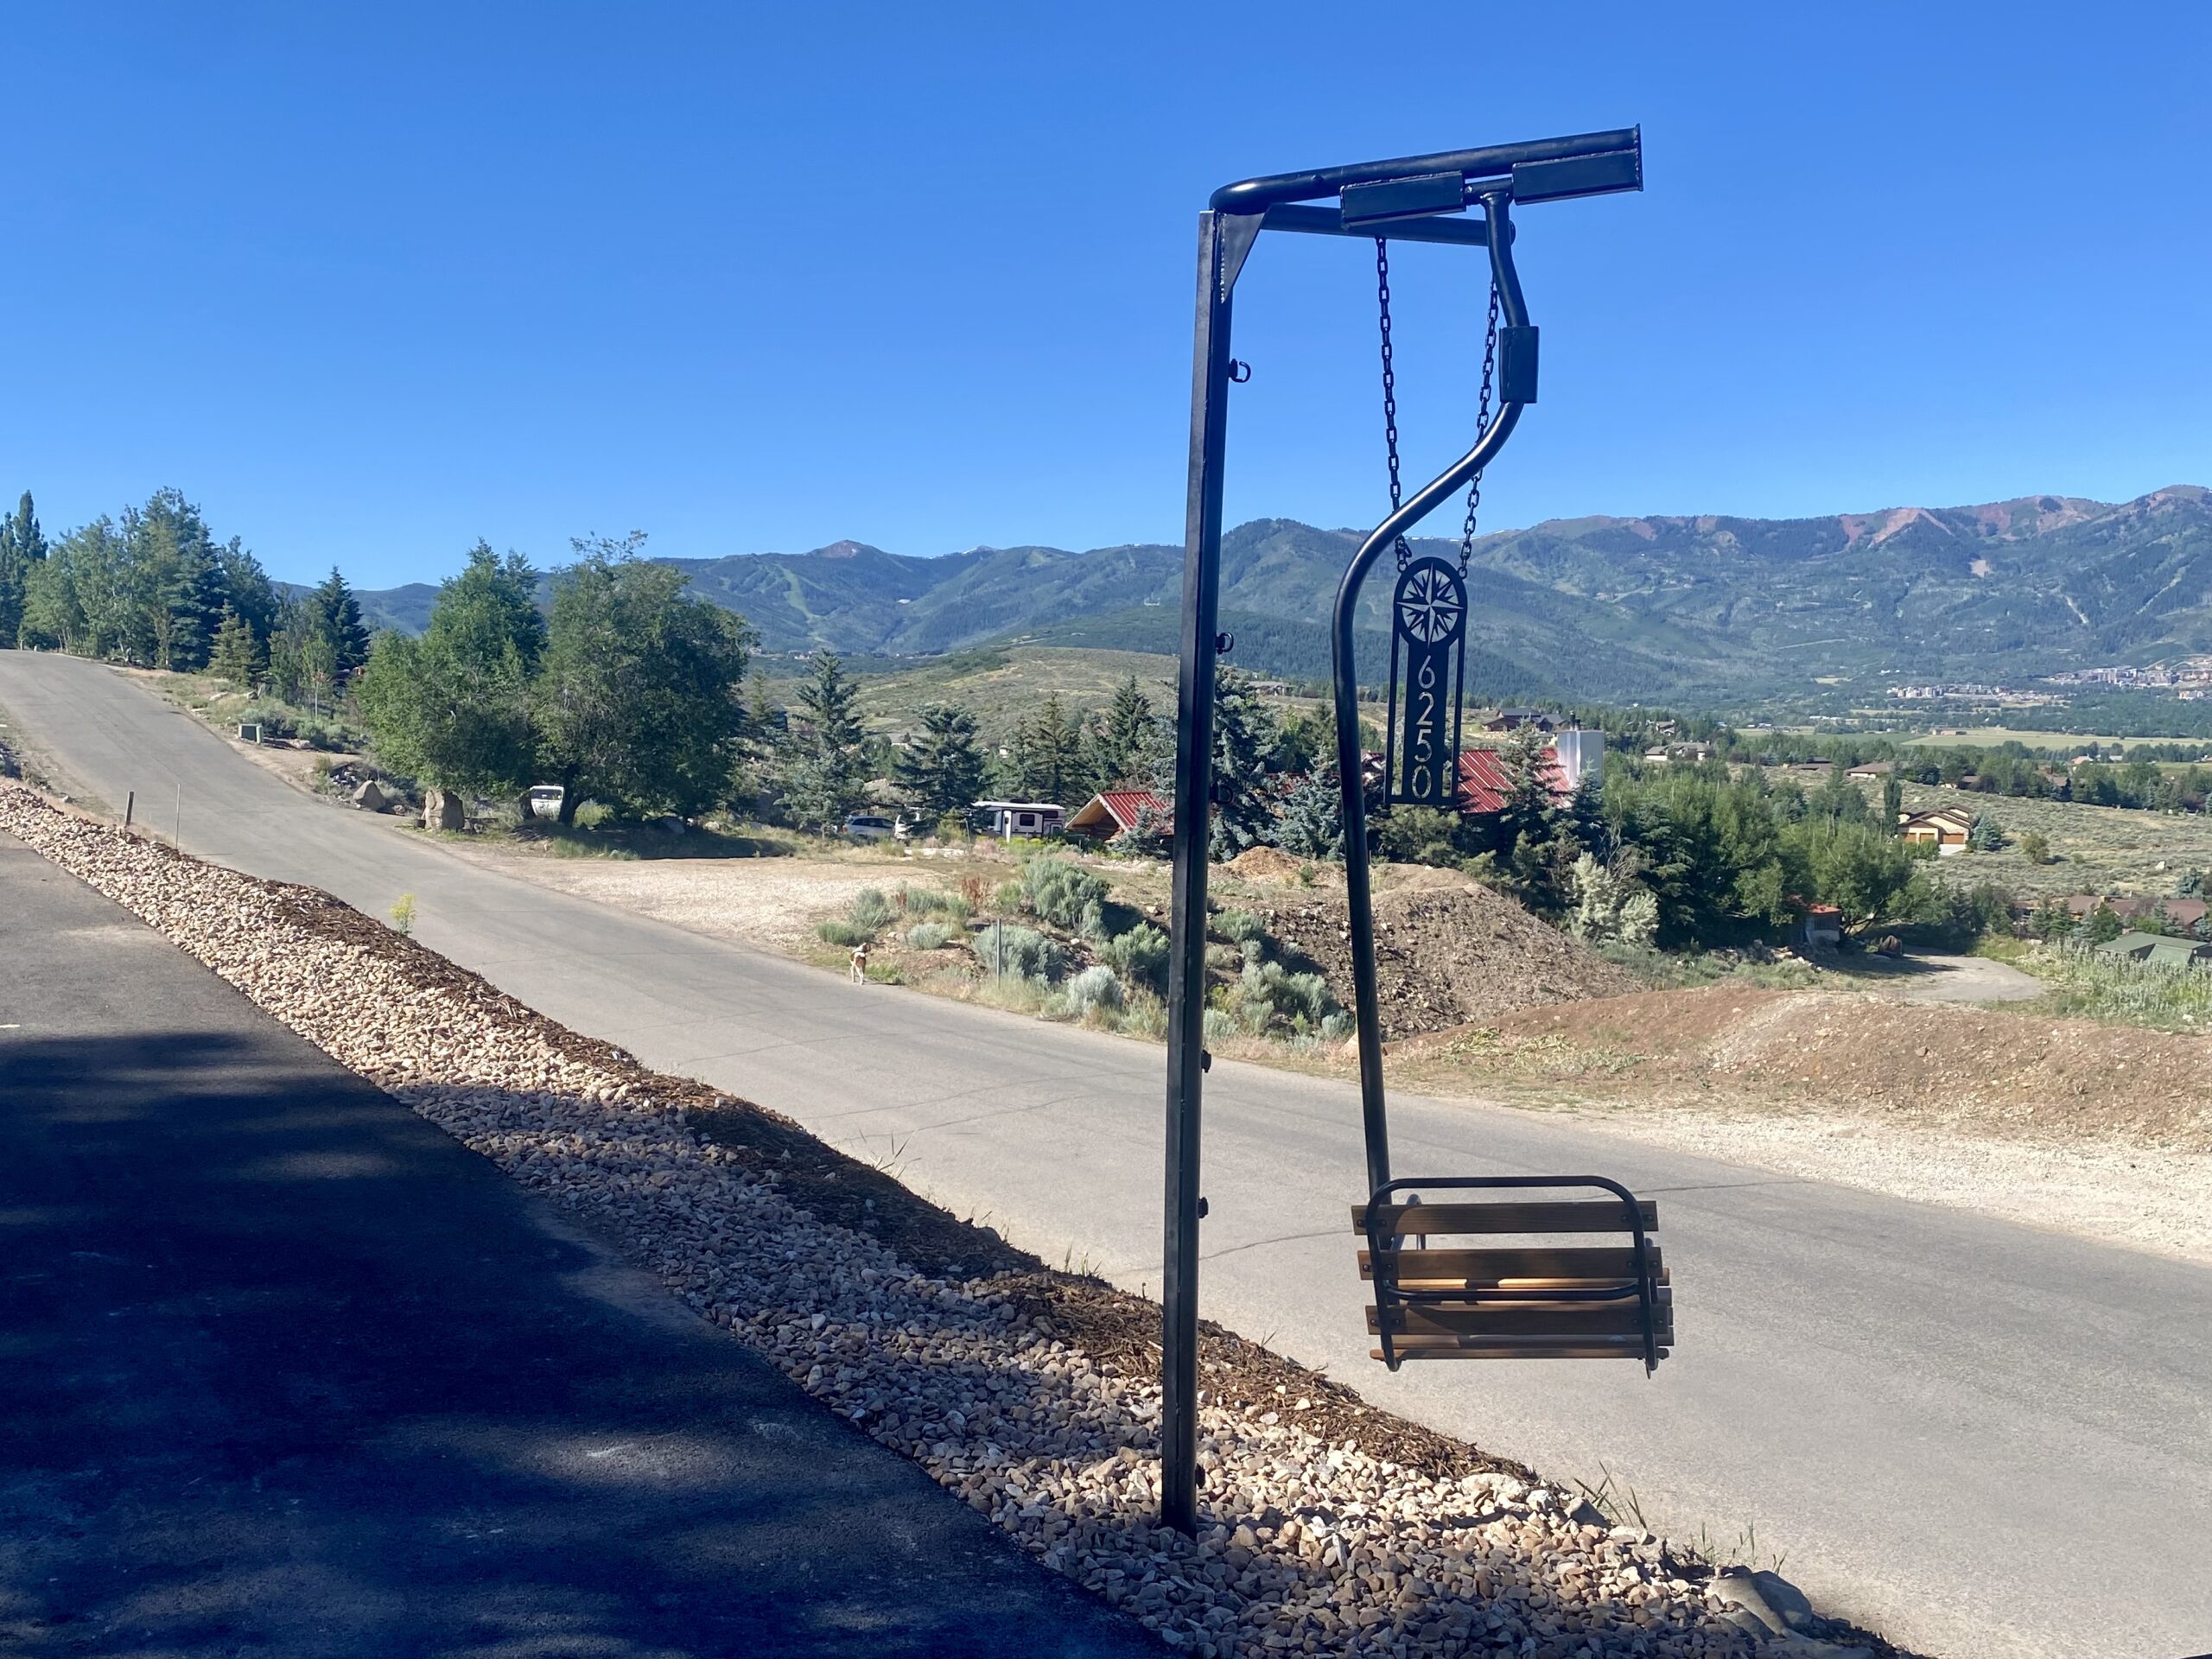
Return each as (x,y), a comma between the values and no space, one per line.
(249,733)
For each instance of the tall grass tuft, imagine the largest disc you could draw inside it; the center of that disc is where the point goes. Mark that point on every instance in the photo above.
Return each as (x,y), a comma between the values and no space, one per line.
(2096,985)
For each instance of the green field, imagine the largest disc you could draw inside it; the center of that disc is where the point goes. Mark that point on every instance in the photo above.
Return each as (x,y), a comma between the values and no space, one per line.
(1988,737)
(1002,686)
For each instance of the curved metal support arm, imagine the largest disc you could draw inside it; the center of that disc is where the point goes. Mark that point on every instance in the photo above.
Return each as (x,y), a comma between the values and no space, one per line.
(1358,890)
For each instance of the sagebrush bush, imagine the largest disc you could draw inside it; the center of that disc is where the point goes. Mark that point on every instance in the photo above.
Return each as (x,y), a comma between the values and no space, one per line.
(2101,986)
(1239,927)
(929,935)
(1096,987)
(1140,957)
(321,733)
(870,911)
(1060,891)
(1269,1000)
(934,901)
(1023,953)
(843,933)
(275,719)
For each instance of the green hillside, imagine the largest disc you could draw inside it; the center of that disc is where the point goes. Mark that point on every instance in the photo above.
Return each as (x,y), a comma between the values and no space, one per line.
(1709,607)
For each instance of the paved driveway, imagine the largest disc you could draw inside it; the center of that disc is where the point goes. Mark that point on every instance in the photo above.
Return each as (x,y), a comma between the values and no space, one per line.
(288,1372)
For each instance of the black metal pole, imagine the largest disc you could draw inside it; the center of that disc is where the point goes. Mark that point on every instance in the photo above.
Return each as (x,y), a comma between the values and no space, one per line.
(1186,974)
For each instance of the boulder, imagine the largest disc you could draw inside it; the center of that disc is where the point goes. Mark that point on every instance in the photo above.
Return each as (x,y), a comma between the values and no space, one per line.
(369,797)
(442,809)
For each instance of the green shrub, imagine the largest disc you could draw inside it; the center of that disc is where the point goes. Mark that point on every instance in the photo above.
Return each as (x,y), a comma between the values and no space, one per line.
(1239,927)
(2099,986)
(1010,896)
(1096,987)
(1338,1027)
(321,733)
(1145,1016)
(870,912)
(1061,891)
(1020,952)
(929,935)
(1269,1000)
(1140,957)
(934,901)
(843,933)
(275,719)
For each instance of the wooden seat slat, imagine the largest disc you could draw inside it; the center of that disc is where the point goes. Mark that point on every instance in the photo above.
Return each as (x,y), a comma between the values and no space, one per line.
(1663,1302)
(1532,1348)
(1487,1267)
(1616,1318)
(1561,1216)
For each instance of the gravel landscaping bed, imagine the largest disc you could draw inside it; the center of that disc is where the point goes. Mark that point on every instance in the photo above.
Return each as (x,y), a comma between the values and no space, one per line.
(1030,1395)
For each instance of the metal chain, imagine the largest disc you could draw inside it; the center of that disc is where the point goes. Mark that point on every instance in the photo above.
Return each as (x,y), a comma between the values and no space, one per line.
(1390,406)
(1482,426)
(1390,382)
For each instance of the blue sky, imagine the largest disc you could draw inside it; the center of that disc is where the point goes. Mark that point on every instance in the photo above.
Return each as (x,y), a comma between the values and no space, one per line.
(370,282)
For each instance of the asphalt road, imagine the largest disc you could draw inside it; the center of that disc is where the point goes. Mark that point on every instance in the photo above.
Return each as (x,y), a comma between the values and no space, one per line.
(288,1372)
(1978,1438)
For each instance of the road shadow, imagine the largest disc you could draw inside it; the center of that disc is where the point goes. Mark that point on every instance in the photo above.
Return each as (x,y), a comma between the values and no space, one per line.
(287,1370)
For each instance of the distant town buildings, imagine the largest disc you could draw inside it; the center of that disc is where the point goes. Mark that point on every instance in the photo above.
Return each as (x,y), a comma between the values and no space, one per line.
(2192,674)
(1970,691)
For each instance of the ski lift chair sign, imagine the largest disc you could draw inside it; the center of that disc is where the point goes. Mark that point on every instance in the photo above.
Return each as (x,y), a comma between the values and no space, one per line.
(1570,1297)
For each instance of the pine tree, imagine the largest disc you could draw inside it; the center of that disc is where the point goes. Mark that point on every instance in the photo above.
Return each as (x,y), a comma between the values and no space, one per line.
(23,533)
(1311,821)
(1893,803)
(337,618)
(941,772)
(237,654)
(12,586)
(825,777)
(21,548)
(1056,755)
(1124,744)
(1243,736)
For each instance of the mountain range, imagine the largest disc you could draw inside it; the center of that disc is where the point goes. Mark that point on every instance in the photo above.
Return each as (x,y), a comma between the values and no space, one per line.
(1603,607)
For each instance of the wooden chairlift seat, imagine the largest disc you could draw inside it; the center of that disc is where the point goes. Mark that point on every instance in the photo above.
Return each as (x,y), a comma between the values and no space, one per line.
(1514,1301)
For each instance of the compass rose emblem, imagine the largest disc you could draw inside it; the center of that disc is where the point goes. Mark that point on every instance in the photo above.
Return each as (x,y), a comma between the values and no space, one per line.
(1431,603)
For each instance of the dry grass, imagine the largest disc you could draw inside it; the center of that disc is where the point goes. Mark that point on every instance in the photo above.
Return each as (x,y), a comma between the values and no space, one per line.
(2097,849)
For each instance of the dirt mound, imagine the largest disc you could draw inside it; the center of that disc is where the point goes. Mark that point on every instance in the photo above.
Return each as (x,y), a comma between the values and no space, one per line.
(2004,1069)
(1447,955)
(1264,864)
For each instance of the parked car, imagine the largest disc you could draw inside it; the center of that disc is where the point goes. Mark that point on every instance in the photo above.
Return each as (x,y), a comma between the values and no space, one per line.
(867,826)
